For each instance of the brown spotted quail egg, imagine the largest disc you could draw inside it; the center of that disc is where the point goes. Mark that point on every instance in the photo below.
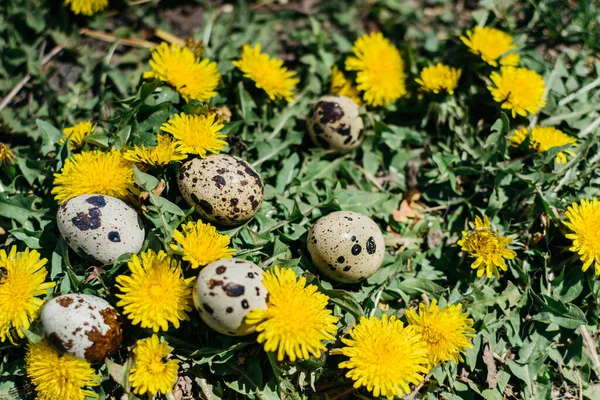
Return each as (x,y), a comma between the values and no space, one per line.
(335,123)
(82,325)
(100,226)
(346,246)
(222,188)
(226,291)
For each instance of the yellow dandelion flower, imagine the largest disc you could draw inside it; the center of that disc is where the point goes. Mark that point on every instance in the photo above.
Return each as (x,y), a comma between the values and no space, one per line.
(384,356)
(439,78)
(296,322)
(59,376)
(152,371)
(201,244)
(93,172)
(6,154)
(162,154)
(22,276)
(543,138)
(584,222)
(487,247)
(196,134)
(179,67)
(156,292)
(86,7)
(446,331)
(340,86)
(491,44)
(380,69)
(519,90)
(268,73)
(76,134)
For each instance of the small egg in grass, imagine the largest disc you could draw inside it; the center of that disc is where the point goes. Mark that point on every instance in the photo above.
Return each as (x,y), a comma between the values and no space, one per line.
(82,325)
(226,290)
(223,189)
(346,246)
(335,123)
(100,226)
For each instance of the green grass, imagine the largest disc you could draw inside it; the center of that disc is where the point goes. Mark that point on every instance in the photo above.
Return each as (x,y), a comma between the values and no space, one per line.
(452,151)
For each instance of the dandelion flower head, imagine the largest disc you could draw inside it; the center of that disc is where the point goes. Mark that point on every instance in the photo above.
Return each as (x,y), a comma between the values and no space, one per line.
(201,244)
(95,171)
(583,219)
(438,78)
(543,138)
(76,134)
(379,69)
(296,321)
(180,68)
(268,73)
(384,356)
(341,86)
(492,45)
(518,89)
(86,7)
(152,371)
(196,134)
(446,331)
(487,247)
(59,376)
(22,282)
(162,154)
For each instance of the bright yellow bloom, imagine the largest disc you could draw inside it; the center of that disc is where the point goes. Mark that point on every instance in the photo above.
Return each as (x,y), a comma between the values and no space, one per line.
(584,222)
(487,247)
(438,78)
(59,376)
(380,69)
(519,90)
(201,244)
(385,356)
(163,153)
(196,134)
(6,154)
(22,277)
(76,134)
(446,332)
(268,73)
(152,372)
(340,86)
(87,7)
(179,67)
(93,172)
(156,293)
(296,322)
(543,138)
(491,44)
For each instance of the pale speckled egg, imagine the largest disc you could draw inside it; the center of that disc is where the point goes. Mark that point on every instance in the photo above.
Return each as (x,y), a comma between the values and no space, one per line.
(222,188)
(226,291)
(100,226)
(346,246)
(82,325)
(336,124)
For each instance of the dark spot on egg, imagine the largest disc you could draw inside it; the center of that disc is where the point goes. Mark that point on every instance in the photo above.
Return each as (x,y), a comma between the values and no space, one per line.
(213,282)
(104,344)
(64,301)
(329,111)
(356,249)
(317,129)
(371,246)
(206,206)
(257,290)
(353,238)
(229,310)
(233,289)
(347,268)
(245,304)
(98,201)
(222,171)
(219,181)
(233,202)
(250,275)
(348,218)
(341,259)
(221,269)
(89,221)
(344,130)
(208,308)
(114,236)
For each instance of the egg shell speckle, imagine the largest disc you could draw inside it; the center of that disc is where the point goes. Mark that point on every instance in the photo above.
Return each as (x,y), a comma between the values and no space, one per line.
(226,291)
(223,189)
(82,325)
(346,246)
(335,123)
(100,226)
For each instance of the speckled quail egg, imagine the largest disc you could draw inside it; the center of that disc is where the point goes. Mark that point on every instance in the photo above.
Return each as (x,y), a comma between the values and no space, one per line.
(346,246)
(335,123)
(222,188)
(100,226)
(82,325)
(226,290)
